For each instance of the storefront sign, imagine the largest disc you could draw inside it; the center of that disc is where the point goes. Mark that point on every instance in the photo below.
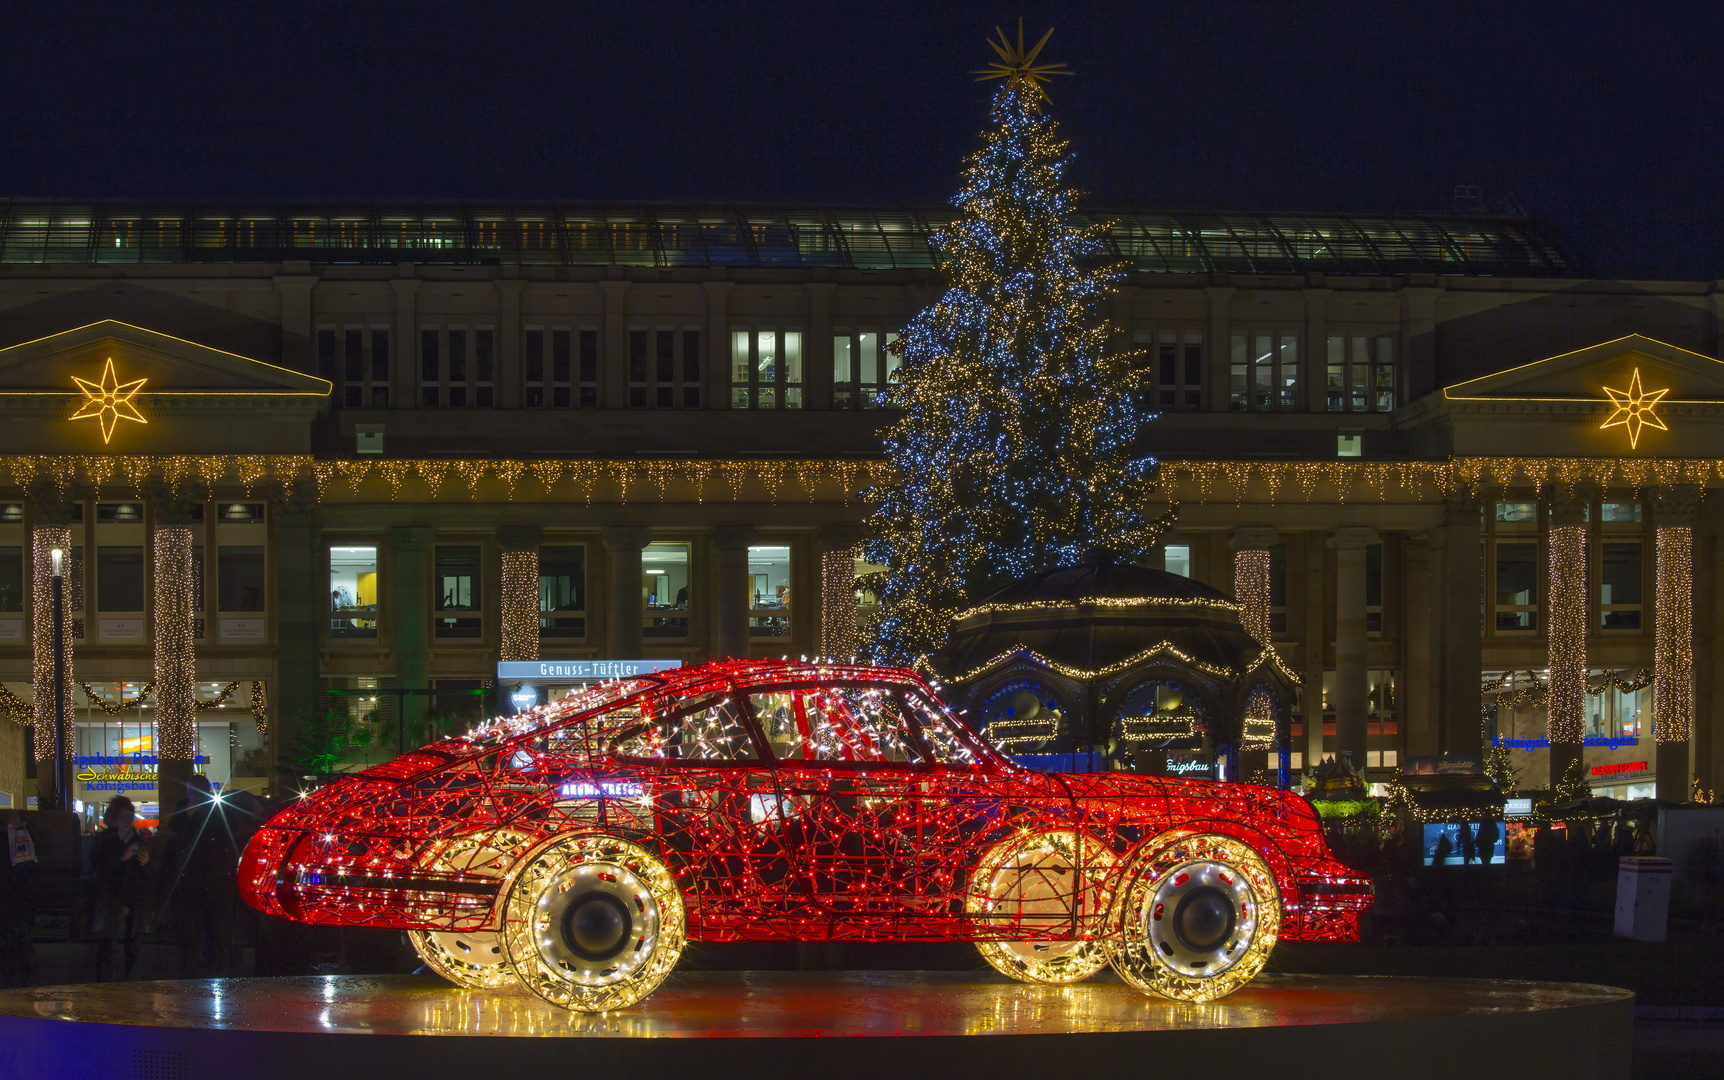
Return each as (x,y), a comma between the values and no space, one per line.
(135,772)
(11,629)
(1608,741)
(1444,765)
(242,629)
(1186,765)
(1619,767)
(1517,808)
(581,670)
(120,629)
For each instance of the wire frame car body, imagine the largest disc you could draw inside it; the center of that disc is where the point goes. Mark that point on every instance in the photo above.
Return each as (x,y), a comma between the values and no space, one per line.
(574,848)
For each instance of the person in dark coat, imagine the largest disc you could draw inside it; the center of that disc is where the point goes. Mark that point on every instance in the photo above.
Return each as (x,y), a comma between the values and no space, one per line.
(1468,849)
(202,857)
(1488,835)
(119,887)
(17,914)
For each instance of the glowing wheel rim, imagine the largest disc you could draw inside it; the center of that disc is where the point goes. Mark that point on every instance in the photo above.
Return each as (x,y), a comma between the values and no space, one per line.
(471,961)
(1044,884)
(1198,919)
(593,923)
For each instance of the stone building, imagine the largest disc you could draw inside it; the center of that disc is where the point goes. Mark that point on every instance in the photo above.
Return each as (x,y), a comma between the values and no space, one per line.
(378,449)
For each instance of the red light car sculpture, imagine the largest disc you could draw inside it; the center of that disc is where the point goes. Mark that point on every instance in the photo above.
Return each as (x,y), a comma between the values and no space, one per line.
(574,848)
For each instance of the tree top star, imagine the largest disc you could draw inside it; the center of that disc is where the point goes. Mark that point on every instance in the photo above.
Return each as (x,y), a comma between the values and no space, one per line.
(110,400)
(1018,65)
(1635,409)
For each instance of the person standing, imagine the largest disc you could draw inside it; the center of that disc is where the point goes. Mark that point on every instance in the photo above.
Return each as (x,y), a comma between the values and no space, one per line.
(202,858)
(1489,832)
(17,910)
(119,887)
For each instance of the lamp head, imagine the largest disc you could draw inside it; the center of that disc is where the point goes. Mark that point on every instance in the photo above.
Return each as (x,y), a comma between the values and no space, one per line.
(57,555)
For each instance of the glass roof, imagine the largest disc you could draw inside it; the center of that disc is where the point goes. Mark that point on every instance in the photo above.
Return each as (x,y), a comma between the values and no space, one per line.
(555,234)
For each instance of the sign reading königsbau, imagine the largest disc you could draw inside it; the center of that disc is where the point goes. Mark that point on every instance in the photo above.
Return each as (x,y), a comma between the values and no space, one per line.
(581,670)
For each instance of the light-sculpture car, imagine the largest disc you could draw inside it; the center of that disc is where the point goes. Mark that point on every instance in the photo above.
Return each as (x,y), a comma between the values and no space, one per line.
(574,848)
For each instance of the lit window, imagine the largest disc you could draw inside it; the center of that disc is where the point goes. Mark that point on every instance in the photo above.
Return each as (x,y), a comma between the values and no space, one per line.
(457,573)
(353,592)
(863,367)
(769,592)
(766,368)
(1264,373)
(1517,512)
(1621,512)
(664,590)
(1176,559)
(1359,373)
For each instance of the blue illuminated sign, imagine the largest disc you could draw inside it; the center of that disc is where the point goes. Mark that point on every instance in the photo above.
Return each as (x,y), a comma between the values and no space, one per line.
(1611,741)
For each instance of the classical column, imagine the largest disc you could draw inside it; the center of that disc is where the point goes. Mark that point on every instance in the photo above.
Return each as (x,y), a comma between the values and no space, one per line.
(1316,636)
(1315,365)
(519,594)
(508,355)
(1462,655)
(410,618)
(1565,637)
(175,662)
(1673,651)
(301,607)
(718,341)
(1350,686)
(839,636)
(614,346)
(1418,734)
(294,291)
(404,373)
(623,546)
(1220,341)
(52,532)
(1251,579)
(731,604)
(817,349)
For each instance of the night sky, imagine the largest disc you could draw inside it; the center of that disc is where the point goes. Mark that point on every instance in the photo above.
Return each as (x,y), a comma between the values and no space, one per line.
(1603,120)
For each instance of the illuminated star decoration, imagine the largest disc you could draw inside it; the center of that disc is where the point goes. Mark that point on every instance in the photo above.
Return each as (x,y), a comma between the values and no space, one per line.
(1635,409)
(110,400)
(1017,66)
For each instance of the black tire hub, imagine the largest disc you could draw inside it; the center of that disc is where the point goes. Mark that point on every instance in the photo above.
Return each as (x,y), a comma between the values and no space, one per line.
(596,926)
(1204,919)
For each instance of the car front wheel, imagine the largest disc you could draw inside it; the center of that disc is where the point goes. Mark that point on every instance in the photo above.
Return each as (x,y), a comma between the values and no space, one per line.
(593,923)
(1198,917)
(471,961)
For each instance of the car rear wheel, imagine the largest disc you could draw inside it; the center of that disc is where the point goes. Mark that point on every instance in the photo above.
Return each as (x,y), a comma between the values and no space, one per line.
(1197,918)
(593,923)
(1047,887)
(470,961)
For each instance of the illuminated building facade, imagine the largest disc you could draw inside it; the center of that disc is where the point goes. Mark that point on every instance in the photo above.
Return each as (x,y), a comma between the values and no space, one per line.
(1466,463)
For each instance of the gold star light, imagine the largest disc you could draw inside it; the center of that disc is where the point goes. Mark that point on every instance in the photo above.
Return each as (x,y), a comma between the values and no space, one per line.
(1635,409)
(110,400)
(1017,65)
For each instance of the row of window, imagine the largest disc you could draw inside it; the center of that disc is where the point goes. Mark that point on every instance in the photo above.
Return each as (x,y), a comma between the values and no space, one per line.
(458,591)
(120,589)
(561,368)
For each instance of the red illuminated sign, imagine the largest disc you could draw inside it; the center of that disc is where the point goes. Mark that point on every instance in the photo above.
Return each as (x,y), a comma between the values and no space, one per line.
(1619,767)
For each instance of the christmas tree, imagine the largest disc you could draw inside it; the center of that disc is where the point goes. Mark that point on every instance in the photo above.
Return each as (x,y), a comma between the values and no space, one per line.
(1015,451)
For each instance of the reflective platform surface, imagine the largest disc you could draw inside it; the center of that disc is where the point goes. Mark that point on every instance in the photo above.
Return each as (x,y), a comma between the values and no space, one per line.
(840,1023)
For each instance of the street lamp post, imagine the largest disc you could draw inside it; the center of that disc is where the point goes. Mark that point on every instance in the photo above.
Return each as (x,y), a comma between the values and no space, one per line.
(62,797)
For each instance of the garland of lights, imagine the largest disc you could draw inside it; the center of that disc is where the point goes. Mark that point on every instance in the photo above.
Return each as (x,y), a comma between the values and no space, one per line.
(1251,586)
(16,708)
(1566,692)
(1258,727)
(1533,696)
(520,605)
(176,664)
(1263,481)
(1673,651)
(1267,656)
(111,709)
(1064,606)
(838,632)
(42,543)
(259,707)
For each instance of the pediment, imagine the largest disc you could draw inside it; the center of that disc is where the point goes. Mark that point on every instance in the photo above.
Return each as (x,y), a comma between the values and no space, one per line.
(1584,374)
(172,366)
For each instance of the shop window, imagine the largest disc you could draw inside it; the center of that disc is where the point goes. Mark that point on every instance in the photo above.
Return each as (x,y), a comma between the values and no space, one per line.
(120,578)
(563,591)
(353,592)
(1516,573)
(1264,373)
(1621,513)
(12,579)
(1619,586)
(1373,588)
(766,368)
(1360,373)
(863,367)
(1176,559)
(456,573)
(239,578)
(769,592)
(664,590)
(1278,588)
(664,368)
(1170,363)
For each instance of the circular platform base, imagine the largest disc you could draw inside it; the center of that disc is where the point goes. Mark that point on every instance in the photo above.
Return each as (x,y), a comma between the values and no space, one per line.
(831,1025)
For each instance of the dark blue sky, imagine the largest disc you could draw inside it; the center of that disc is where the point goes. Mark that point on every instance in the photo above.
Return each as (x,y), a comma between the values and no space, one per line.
(1603,120)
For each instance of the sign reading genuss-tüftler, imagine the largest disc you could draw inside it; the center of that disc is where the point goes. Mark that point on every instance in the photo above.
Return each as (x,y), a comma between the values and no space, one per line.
(581,670)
